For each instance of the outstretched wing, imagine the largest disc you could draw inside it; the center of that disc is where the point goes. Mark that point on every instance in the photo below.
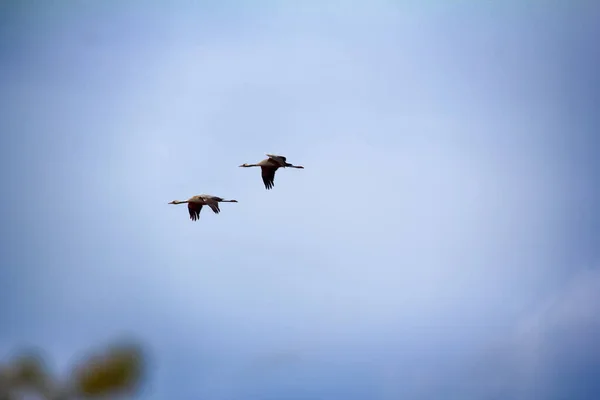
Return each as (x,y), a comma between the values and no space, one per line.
(194,210)
(268,176)
(214,206)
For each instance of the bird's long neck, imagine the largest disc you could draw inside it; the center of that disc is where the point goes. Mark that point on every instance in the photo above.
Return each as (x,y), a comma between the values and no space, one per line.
(295,166)
(181,201)
(229,201)
(251,165)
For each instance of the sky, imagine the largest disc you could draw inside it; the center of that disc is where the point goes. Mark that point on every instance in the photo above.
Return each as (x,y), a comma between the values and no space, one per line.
(441,242)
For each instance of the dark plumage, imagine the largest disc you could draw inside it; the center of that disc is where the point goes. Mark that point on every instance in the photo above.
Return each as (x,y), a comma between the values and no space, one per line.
(269,166)
(195,204)
(194,210)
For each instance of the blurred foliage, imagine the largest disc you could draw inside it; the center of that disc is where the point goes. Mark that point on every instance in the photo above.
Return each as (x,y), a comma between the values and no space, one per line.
(119,369)
(116,371)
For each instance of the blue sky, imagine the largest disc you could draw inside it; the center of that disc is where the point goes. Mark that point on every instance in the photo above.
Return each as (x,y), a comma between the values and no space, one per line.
(442,241)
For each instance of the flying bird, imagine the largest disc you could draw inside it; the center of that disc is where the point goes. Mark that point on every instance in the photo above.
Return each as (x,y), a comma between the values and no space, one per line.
(195,204)
(269,166)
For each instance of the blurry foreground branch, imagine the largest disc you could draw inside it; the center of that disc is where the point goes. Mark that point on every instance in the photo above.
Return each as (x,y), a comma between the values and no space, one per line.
(116,371)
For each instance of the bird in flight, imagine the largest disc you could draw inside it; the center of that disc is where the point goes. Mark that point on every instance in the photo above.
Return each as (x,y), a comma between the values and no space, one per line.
(195,204)
(269,166)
